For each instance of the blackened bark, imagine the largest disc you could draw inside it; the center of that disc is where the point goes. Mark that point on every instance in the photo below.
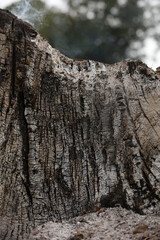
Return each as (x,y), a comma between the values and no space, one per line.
(72,133)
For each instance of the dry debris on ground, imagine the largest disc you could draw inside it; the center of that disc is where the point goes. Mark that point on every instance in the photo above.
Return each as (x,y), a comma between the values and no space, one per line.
(105,224)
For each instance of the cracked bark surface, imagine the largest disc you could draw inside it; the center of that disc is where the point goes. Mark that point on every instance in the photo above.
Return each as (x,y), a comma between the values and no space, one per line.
(72,133)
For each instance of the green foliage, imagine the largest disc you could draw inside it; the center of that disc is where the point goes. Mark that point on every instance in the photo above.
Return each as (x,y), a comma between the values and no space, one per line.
(102,30)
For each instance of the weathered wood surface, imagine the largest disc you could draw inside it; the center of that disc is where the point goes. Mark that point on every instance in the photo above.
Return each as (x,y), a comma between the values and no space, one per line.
(72,133)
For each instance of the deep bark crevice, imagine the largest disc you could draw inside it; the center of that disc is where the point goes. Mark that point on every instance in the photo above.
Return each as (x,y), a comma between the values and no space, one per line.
(25,144)
(13,65)
(150,187)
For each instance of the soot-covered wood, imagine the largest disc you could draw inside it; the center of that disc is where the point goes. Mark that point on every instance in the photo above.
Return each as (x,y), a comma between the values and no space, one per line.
(72,133)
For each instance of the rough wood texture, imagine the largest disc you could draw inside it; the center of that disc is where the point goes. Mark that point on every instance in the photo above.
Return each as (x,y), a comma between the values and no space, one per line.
(72,133)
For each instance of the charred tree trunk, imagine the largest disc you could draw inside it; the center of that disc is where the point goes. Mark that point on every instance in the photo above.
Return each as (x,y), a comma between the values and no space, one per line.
(72,133)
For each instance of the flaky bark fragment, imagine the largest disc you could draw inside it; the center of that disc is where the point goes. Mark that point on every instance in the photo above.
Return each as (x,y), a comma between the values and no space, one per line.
(72,133)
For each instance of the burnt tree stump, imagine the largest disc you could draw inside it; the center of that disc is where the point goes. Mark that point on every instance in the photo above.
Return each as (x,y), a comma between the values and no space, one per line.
(72,133)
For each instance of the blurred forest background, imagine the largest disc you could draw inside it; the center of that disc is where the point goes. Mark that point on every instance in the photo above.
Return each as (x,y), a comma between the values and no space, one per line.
(103,30)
